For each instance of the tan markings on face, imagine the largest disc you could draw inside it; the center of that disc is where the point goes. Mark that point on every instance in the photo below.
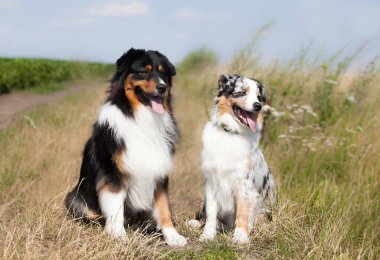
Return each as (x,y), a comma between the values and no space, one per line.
(242,210)
(148,67)
(237,101)
(160,69)
(162,205)
(148,86)
(240,101)
(129,89)
(224,105)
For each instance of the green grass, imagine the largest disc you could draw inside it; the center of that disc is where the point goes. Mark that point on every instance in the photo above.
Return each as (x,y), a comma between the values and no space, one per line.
(43,75)
(325,163)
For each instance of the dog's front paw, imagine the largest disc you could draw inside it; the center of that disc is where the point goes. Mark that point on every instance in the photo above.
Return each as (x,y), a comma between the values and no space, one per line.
(205,237)
(208,234)
(240,236)
(117,233)
(172,238)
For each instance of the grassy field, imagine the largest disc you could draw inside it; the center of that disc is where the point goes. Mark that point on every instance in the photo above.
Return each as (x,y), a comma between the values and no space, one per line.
(321,142)
(43,75)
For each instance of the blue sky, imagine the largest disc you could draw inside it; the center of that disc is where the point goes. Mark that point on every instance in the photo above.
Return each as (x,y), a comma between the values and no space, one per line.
(102,30)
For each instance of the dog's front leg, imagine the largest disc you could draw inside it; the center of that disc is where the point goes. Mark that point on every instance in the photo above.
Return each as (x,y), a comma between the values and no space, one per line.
(163,217)
(211,206)
(112,207)
(242,211)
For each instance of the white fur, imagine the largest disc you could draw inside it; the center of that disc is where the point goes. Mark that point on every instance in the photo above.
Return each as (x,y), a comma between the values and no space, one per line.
(161,81)
(172,238)
(240,236)
(211,225)
(148,156)
(224,161)
(112,207)
(251,96)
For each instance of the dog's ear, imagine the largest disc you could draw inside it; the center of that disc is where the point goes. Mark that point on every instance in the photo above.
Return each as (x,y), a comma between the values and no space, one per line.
(125,61)
(225,85)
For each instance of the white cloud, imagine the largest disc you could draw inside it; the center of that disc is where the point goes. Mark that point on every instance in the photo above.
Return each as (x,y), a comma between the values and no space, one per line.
(121,9)
(193,14)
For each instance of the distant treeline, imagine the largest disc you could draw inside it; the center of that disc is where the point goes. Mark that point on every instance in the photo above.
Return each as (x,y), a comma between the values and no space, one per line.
(22,73)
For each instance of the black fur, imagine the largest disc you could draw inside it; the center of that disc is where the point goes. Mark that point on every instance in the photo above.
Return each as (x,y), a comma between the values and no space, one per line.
(98,165)
(226,85)
(133,61)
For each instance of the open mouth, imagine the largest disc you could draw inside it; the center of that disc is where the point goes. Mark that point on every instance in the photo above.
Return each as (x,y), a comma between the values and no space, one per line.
(246,118)
(156,104)
(154,101)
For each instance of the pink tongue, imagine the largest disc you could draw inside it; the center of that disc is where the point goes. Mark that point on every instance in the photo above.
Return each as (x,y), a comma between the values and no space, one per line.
(156,104)
(251,120)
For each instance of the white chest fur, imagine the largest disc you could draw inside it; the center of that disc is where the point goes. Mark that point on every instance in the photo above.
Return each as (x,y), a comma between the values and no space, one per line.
(148,152)
(223,151)
(225,161)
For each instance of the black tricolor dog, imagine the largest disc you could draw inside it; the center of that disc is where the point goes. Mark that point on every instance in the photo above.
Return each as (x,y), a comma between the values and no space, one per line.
(126,161)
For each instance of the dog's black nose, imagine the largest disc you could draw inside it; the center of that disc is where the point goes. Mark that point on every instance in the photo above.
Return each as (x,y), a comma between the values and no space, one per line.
(161,88)
(257,106)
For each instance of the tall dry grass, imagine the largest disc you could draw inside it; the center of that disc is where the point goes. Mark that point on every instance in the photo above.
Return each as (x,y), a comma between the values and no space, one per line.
(322,145)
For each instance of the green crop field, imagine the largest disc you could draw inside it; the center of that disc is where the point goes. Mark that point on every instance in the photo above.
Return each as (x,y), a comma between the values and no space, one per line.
(321,141)
(44,75)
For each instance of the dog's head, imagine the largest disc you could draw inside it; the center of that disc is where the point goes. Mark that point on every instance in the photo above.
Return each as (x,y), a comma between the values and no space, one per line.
(241,97)
(145,78)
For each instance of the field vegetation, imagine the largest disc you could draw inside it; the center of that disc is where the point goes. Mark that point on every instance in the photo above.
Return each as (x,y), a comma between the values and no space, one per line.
(43,75)
(321,141)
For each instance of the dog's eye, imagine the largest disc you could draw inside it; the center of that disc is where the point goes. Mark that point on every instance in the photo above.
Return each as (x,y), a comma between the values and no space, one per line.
(238,94)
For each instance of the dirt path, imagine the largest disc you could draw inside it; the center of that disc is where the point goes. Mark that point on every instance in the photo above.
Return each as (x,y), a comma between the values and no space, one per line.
(13,103)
